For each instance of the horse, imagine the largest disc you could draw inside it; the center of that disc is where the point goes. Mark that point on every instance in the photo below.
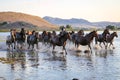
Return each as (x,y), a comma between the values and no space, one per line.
(80,33)
(102,37)
(86,40)
(11,39)
(10,42)
(60,41)
(110,38)
(46,37)
(33,39)
(20,39)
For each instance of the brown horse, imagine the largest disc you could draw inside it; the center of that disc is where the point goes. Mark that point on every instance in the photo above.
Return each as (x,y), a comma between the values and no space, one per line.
(61,41)
(86,40)
(102,37)
(110,38)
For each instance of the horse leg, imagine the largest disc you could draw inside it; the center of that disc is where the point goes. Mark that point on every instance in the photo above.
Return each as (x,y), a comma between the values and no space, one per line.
(37,46)
(29,46)
(106,46)
(95,41)
(8,46)
(53,48)
(111,44)
(75,44)
(65,50)
(22,44)
(100,45)
(90,47)
(32,46)
(14,45)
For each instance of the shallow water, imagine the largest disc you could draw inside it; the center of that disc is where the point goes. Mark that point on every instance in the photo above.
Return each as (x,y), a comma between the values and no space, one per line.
(42,65)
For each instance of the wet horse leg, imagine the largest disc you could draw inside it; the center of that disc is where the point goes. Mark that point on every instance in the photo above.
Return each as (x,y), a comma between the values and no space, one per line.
(111,44)
(37,46)
(53,48)
(90,47)
(29,46)
(104,44)
(65,50)
(14,45)
(32,46)
(100,45)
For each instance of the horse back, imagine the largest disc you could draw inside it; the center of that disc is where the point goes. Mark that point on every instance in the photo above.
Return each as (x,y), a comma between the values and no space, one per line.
(18,36)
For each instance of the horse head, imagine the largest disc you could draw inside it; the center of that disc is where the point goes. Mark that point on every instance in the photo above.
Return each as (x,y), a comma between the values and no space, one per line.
(94,34)
(65,35)
(105,32)
(37,35)
(81,32)
(68,36)
(115,34)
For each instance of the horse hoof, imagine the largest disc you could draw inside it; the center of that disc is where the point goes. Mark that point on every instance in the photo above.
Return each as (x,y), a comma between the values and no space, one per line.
(75,79)
(61,52)
(53,51)
(113,47)
(87,51)
(78,54)
(78,50)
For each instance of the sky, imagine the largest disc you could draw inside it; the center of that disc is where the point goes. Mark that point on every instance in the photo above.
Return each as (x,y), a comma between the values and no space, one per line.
(91,10)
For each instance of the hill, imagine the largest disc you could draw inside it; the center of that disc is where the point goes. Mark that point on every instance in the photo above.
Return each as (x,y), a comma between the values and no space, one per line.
(80,23)
(18,20)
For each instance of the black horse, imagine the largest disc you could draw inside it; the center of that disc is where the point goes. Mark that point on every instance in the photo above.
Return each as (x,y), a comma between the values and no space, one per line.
(60,40)
(102,37)
(86,40)
(20,39)
(32,40)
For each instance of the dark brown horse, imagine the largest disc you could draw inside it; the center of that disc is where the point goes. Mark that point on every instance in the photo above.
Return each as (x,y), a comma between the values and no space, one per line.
(86,40)
(46,36)
(110,38)
(102,37)
(61,41)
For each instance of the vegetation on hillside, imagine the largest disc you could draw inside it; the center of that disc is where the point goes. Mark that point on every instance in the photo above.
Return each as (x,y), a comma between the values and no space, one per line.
(8,18)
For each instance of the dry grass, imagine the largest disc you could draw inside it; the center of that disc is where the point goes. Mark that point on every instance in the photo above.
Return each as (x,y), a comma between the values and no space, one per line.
(13,17)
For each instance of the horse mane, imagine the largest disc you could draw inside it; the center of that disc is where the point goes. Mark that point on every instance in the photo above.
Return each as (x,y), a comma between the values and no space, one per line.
(63,36)
(90,33)
(113,33)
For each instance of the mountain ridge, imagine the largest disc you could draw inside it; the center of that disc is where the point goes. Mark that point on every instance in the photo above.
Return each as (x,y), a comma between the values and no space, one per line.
(81,23)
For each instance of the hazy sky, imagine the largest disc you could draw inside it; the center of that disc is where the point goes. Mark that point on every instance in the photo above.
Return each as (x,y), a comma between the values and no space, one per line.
(92,10)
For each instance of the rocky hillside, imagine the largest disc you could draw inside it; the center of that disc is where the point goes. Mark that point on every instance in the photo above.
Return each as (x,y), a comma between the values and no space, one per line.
(18,20)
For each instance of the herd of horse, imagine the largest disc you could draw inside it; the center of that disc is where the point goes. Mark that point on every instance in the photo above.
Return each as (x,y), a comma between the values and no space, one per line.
(53,39)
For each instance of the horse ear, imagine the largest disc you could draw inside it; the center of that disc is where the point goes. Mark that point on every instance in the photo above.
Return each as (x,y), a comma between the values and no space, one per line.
(95,30)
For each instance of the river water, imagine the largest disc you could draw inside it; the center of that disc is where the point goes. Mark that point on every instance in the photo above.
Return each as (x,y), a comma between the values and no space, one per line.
(40,64)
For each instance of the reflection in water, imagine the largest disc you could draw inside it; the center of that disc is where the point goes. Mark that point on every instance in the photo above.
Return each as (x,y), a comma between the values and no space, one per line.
(16,58)
(34,58)
(103,53)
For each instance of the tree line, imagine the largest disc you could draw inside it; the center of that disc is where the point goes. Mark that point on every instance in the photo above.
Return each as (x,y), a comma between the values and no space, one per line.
(69,27)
